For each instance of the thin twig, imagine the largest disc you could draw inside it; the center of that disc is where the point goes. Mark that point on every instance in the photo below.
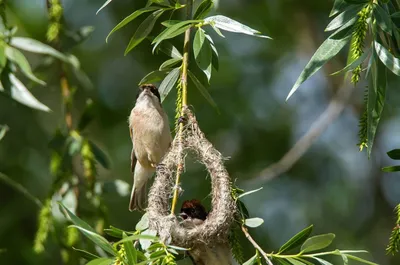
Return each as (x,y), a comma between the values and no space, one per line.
(183,81)
(335,107)
(254,243)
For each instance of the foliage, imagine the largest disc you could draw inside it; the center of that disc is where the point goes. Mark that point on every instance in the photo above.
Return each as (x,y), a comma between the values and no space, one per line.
(394,240)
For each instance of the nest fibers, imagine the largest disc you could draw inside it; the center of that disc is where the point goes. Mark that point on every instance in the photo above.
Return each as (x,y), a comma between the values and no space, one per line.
(214,230)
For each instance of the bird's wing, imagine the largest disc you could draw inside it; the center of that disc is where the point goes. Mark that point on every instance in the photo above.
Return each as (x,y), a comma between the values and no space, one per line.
(133,156)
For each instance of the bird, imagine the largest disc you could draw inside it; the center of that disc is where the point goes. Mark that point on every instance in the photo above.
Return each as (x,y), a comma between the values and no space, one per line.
(151,138)
(193,211)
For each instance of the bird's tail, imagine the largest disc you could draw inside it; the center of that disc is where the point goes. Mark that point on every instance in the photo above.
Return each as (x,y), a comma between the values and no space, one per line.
(138,198)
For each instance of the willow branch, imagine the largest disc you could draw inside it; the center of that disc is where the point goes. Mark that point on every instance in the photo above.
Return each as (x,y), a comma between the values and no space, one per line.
(183,83)
(254,243)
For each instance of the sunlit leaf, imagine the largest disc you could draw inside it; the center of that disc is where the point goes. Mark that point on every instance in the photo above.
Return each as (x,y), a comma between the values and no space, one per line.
(3,130)
(391,169)
(169,23)
(361,260)
(249,192)
(130,251)
(322,261)
(130,18)
(349,14)
(317,242)
(154,77)
(143,30)
(391,62)
(3,59)
(251,261)
(114,232)
(376,101)
(21,94)
(101,261)
(337,6)
(394,154)
(143,224)
(146,242)
(202,52)
(295,261)
(136,237)
(202,90)
(297,239)
(228,24)
(168,83)
(282,261)
(203,9)
(85,254)
(351,66)
(328,49)
(254,222)
(169,63)
(382,19)
(103,6)
(170,50)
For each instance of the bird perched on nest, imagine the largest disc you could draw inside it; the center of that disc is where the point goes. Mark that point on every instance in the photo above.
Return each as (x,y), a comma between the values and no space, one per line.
(193,214)
(151,137)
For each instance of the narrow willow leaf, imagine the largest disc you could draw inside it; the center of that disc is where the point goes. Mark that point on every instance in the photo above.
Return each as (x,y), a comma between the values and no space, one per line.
(143,30)
(130,18)
(87,116)
(202,90)
(170,50)
(391,169)
(103,6)
(295,261)
(228,24)
(349,14)
(35,46)
(296,240)
(337,6)
(169,23)
(391,62)
(251,261)
(215,56)
(154,77)
(86,255)
(382,19)
(168,83)
(3,59)
(3,130)
(376,101)
(21,94)
(282,261)
(328,49)
(202,52)
(217,31)
(317,242)
(143,224)
(169,63)
(168,32)
(394,154)
(253,222)
(101,261)
(136,237)
(100,155)
(19,59)
(130,251)
(248,193)
(11,182)
(203,9)
(361,260)
(322,261)
(114,232)
(351,66)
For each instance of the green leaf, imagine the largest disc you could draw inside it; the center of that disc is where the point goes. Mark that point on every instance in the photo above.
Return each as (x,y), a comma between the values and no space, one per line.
(202,52)
(103,6)
(3,59)
(169,63)
(345,259)
(282,261)
(19,59)
(130,251)
(228,24)
(202,90)
(317,242)
(87,115)
(217,30)
(100,155)
(391,169)
(328,49)
(21,94)
(296,240)
(87,230)
(322,261)
(337,6)
(35,46)
(143,30)
(203,9)
(376,101)
(351,66)
(169,23)
(168,83)
(391,62)
(393,154)
(248,192)
(254,222)
(170,50)
(145,243)
(295,261)
(251,261)
(382,19)
(130,18)
(349,15)
(157,254)
(101,261)
(136,237)
(214,60)
(86,255)
(114,232)
(154,77)
(143,224)
(361,260)
(3,130)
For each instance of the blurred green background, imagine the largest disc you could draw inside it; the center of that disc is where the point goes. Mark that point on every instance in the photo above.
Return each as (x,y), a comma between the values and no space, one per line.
(333,186)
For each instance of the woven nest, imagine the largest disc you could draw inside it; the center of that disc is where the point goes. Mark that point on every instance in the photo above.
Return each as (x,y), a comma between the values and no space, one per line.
(214,230)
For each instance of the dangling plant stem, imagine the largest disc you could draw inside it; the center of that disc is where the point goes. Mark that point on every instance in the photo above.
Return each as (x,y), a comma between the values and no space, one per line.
(183,84)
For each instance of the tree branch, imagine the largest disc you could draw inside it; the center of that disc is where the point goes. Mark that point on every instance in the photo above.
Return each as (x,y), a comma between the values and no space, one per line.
(254,243)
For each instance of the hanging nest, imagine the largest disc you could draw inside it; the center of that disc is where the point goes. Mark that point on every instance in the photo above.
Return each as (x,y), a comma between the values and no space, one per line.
(215,229)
